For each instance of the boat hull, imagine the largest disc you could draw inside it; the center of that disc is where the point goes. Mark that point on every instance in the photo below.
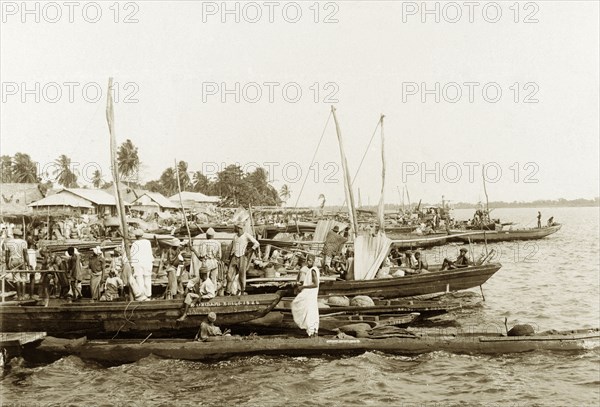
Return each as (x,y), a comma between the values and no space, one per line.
(124,352)
(508,235)
(419,284)
(133,318)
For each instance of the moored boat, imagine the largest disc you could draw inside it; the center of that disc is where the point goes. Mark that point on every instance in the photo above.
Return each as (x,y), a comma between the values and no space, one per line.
(122,351)
(510,234)
(435,281)
(158,317)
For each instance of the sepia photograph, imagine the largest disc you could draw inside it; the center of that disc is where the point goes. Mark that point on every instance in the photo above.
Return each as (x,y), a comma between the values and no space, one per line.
(291,203)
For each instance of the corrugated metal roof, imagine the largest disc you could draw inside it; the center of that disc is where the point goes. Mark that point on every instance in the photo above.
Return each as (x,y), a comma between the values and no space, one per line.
(196,197)
(78,198)
(97,196)
(63,199)
(159,198)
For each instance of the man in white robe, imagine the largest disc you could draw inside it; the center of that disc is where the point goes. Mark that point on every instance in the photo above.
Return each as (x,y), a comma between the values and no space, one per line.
(305,307)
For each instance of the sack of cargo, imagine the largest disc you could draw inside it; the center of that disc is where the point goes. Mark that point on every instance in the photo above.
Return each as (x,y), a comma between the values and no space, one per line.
(362,301)
(359,329)
(338,301)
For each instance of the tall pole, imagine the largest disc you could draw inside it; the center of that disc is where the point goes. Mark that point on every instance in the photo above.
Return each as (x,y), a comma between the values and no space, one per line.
(187,227)
(381,208)
(348,182)
(487,202)
(110,118)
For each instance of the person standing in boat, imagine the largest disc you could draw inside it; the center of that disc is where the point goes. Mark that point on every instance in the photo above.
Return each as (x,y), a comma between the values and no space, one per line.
(75,272)
(15,250)
(141,261)
(305,307)
(238,259)
(539,218)
(96,264)
(209,252)
(332,246)
(172,262)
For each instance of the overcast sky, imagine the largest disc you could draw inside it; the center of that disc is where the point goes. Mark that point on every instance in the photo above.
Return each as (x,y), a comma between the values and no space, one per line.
(173,65)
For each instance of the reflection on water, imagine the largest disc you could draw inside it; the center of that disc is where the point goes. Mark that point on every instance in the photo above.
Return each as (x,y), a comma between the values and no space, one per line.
(558,287)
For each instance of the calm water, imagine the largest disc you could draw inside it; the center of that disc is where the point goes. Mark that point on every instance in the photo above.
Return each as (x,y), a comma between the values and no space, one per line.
(552,283)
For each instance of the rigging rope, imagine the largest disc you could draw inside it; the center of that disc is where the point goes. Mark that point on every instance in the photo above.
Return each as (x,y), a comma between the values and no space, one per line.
(360,164)
(312,160)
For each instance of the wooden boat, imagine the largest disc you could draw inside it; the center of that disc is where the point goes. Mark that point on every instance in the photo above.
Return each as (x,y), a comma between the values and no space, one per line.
(12,344)
(511,234)
(413,241)
(131,318)
(436,281)
(124,351)
(283,322)
(425,309)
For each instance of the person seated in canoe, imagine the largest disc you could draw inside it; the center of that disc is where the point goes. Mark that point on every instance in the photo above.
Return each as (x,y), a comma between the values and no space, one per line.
(421,265)
(198,288)
(461,261)
(551,221)
(209,331)
(112,287)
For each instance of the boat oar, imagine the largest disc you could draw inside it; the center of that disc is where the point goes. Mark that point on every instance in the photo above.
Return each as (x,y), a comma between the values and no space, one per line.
(147,337)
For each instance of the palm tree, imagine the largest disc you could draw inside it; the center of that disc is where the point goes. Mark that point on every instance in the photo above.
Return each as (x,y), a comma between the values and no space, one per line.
(201,182)
(169,181)
(285,193)
(24,170)
(6,169)
(128,160)
(97,180)
(184,177)
(64,175)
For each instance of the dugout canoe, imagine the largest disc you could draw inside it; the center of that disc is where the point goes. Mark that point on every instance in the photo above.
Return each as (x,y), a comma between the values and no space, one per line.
(425,309)
(127,351)
(510,234)
(159,317)
(435,281)
(283,322)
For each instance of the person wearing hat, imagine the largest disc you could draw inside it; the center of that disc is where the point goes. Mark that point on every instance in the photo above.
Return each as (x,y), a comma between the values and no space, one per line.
(96,264)
(461,261)
(238,259)
(332,246)
(15,252)
(198,288)
(207,254)
(141,261)
(208,329)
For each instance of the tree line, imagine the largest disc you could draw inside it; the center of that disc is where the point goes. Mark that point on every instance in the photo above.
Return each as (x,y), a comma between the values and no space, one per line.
(234,186)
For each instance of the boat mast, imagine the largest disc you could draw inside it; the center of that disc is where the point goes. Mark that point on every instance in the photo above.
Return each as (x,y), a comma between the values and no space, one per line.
(187,226)
(487,202)
(347,180)
(381,209)
(110,118)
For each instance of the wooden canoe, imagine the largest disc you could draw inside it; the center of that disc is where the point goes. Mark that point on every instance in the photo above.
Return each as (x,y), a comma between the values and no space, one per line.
(510,234)
(415,284)
(158,317)
(123,351)
(283,322)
